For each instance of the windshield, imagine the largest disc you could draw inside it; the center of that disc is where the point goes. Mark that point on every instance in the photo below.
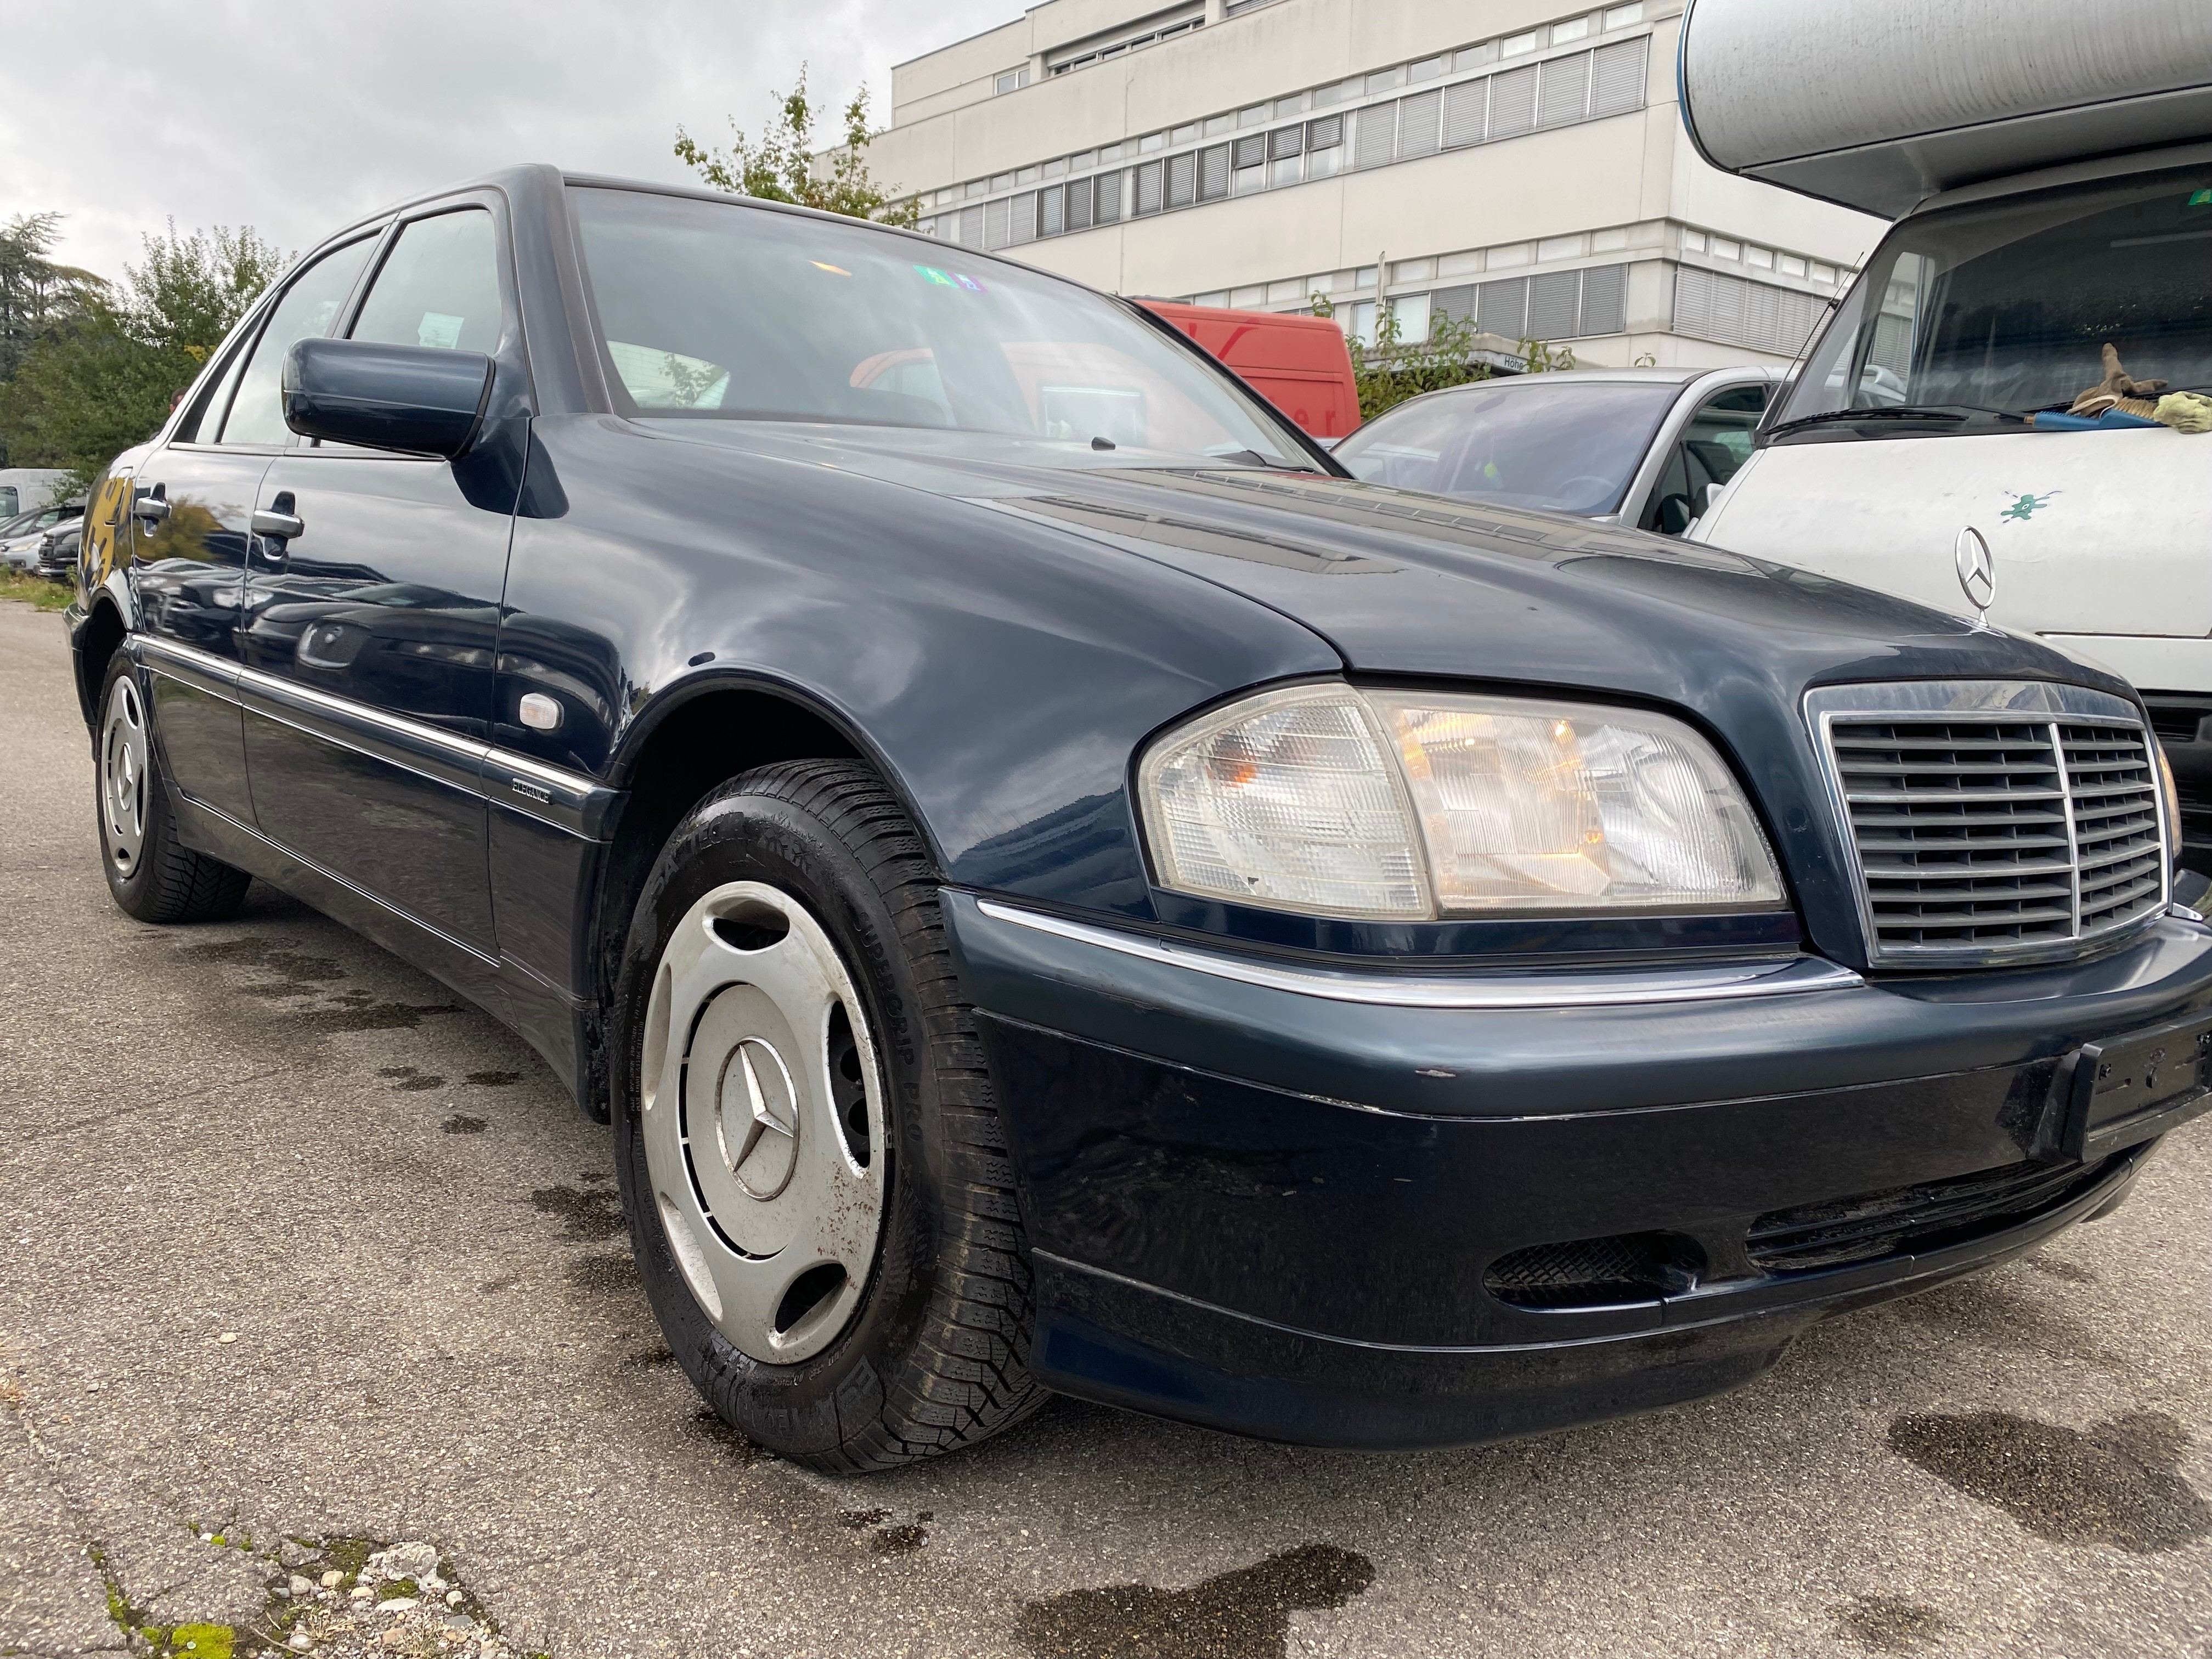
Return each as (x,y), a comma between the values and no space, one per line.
(717,311)
(1572,445)
(2007,305)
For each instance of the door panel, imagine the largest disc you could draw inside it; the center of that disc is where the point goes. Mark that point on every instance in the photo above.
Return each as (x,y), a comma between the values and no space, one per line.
(370,654)
(370,643)
(189,571)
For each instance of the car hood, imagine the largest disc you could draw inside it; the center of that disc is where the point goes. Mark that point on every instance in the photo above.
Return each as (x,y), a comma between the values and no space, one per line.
(1411,584)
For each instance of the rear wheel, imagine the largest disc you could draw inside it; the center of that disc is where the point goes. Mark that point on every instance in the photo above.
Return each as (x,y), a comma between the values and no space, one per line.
(153,875)
(807,1140)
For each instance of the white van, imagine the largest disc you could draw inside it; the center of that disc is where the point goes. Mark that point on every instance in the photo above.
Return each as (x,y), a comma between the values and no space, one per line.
(25,488)
(2050,166)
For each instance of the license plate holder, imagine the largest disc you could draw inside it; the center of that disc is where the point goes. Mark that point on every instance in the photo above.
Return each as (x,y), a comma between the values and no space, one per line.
(2126,1089)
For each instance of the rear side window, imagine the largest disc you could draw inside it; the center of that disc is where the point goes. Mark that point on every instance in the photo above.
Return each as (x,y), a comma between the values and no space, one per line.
(308,308)
(205,420)
(1715,444)
(438,287)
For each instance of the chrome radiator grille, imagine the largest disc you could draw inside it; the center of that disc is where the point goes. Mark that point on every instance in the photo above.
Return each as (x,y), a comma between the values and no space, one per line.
(1985,834)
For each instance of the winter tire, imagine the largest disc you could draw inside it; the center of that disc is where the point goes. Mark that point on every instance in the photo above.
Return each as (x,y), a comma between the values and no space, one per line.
(806,1133)
(153,876)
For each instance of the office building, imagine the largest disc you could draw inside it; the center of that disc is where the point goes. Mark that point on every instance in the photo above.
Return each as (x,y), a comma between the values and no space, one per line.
(1492,161)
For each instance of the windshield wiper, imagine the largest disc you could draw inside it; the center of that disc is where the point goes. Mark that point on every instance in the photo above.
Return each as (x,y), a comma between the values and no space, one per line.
(1919,412)
(1253,457)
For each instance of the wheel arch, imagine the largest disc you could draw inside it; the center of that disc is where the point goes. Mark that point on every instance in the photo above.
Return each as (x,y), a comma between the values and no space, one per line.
(98,639)
(684,744)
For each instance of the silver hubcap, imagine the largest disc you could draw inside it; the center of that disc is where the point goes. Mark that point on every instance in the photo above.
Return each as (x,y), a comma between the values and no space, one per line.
(123,777)
(764,1122)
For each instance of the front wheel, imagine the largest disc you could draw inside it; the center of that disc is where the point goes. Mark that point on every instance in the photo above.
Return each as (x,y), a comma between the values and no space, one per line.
(806,1137)
(153,875)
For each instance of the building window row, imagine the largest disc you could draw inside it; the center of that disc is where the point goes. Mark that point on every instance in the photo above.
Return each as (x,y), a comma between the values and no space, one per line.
(1350,91)
(1712,305)
(1083,56)
(1562,91)
(1554,304)
(1755,257)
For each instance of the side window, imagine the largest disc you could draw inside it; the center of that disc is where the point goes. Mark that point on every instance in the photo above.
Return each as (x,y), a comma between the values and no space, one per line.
(308,308)
(438,287)
(205,420)
(1711,450)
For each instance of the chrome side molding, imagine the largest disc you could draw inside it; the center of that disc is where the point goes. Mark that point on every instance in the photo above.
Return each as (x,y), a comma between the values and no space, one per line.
(1552,989)
(567,800)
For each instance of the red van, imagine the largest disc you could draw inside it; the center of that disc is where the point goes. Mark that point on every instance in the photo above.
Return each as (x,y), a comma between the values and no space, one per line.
(1300,364)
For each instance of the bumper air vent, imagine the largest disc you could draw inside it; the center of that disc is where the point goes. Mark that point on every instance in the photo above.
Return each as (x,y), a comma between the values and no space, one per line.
(1905,1218)
(1588,1273)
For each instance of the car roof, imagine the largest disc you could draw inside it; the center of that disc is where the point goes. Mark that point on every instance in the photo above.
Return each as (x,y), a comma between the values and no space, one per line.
(1677,378)
(505,178)
(1604,376)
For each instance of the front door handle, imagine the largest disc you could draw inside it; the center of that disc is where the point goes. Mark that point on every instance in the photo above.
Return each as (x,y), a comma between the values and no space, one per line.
(267,522)
(151,508)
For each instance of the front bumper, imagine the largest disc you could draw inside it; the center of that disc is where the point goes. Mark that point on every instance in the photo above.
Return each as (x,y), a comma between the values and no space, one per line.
(1285,1214)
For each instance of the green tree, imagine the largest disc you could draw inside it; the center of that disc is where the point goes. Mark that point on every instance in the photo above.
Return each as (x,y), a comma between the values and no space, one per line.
(1394,368)
(782,166)
(107,379)
(37,296)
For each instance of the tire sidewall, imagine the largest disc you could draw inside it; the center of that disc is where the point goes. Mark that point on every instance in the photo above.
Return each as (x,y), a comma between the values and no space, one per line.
(131,891)
(816,1404)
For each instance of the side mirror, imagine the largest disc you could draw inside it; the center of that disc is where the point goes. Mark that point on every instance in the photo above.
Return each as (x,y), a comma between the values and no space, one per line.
(419,400)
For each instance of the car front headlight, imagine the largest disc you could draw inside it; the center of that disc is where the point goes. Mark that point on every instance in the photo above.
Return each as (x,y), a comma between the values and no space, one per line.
(1399,805)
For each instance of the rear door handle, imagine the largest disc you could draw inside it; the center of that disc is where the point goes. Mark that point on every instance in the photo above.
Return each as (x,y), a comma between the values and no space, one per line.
(268,523)
(152,508)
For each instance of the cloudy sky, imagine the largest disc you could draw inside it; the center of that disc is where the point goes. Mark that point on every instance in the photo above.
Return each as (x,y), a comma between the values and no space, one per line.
(294,116)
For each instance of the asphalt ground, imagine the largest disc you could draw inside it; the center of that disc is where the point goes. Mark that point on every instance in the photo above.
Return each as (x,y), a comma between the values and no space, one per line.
(301,1258)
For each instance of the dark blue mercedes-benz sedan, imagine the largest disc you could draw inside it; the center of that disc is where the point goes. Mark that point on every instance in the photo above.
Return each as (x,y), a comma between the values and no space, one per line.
(1057,887)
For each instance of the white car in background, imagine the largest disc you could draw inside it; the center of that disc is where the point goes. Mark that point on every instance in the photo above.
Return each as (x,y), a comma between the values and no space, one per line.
(1638,446)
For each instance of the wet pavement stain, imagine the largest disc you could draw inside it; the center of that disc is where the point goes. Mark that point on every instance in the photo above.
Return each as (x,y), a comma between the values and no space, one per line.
(459,1125)
(504,1282)
(1245,1614)
(493,1079)
(2118,1484)
(614,1270)
(1890,1624)
(861,1520)
(274,955)
(649,1359)
(592,1218)
(898,1541)
(2056,1267)
(299,976)
(406,1077)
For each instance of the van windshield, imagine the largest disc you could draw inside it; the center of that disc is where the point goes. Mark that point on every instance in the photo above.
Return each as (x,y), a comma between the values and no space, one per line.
(2004,307)
(717,311)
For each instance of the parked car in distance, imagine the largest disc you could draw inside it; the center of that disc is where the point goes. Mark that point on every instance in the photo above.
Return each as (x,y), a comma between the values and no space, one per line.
(21,536)
(1639,446)
(1059,887)
(55,556)
(1302,365)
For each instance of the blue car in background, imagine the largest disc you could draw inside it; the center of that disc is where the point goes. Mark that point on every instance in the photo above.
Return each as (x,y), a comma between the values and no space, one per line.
(1056,886)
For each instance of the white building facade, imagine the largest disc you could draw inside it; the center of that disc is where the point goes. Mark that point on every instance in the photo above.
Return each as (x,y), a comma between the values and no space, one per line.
(1491,161)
